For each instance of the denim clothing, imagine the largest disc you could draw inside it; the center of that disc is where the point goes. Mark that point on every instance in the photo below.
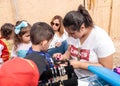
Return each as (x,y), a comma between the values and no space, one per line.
(44,54)
(60,49)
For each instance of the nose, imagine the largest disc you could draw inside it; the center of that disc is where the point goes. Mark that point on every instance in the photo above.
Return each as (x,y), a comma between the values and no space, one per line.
(69,35)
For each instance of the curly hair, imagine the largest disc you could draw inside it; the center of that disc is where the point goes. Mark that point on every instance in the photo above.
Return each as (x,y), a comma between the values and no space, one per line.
(18,37)
(6,30)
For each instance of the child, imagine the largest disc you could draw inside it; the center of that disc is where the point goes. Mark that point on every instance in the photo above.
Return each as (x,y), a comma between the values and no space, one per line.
(19,72)
(41,35)
(21,39)
(6,42)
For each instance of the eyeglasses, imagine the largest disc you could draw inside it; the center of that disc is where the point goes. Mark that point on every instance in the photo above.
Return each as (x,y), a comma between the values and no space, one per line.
(56,24)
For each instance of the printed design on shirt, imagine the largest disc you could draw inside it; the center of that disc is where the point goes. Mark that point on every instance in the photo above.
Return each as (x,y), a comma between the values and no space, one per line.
(79,53)
(74,51)
(84,54)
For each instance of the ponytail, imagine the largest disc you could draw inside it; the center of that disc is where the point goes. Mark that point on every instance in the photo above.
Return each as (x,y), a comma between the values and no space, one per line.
(87,18)
(74,19)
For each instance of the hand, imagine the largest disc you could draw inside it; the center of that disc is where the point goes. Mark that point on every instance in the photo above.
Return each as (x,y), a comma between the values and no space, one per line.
(58,44)
(58,56)
(75,63)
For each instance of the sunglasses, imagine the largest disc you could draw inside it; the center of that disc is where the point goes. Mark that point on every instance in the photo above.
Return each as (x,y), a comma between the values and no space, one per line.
(56,24)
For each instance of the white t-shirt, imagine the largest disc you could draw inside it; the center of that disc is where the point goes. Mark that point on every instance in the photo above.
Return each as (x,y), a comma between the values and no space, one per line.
(21,50)
(97,45)
(56,39)
(75,45)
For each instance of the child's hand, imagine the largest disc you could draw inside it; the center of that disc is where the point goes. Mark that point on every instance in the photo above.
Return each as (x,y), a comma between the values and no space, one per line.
(58,56)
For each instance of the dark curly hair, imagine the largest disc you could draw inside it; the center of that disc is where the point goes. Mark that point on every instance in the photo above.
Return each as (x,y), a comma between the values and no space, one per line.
(6,30)
(18,37)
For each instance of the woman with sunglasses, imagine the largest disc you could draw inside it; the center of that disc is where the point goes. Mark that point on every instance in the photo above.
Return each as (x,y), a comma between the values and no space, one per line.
(96,47)
(58,43)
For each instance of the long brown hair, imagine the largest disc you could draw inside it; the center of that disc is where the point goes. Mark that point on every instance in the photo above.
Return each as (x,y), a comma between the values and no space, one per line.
(61,27)
(18,37)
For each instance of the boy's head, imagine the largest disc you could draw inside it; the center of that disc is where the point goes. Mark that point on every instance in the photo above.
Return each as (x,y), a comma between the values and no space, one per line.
(41,34)
(19,72)
(7,31)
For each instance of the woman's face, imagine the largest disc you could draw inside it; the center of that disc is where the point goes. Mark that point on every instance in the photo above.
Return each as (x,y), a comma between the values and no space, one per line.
(76,34)
(55,24)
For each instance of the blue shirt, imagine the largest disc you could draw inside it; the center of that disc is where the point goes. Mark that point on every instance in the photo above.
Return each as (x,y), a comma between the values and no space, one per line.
(44,54)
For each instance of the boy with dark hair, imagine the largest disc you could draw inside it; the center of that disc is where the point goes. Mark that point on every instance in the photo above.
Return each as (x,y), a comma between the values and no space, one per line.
(41,35)
(6,41)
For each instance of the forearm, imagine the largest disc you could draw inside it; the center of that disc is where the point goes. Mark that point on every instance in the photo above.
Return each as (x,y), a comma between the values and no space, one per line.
(103,61)
(66,55)
(82,65)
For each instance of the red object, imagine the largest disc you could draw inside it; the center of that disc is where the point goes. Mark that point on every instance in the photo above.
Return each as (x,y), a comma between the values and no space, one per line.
(80,53)
(74,51)
(84,54)
(5,54)
(19,72)
(58,57)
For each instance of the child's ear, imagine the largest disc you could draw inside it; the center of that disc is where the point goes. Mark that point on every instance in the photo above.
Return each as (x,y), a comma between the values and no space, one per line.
(44,43)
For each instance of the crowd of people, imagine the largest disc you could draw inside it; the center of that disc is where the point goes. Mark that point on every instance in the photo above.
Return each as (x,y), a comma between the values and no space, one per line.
(26,51)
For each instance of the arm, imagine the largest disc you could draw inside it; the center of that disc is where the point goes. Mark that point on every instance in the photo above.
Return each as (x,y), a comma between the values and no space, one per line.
(105,62)
(64,56)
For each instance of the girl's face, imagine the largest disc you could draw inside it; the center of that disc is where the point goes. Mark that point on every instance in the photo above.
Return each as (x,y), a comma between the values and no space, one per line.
(26,37)
(55,24)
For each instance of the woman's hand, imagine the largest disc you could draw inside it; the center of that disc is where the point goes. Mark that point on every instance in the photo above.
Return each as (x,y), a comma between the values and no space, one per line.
(75,63)
(58,44)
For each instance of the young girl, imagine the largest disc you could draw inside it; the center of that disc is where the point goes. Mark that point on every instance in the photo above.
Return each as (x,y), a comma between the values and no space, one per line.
(21,39)
(58,43)
(6,41)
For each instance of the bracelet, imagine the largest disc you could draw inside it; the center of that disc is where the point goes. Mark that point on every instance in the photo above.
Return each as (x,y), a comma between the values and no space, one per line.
(63,70)
(52,72)
(60,72)
(55,71)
